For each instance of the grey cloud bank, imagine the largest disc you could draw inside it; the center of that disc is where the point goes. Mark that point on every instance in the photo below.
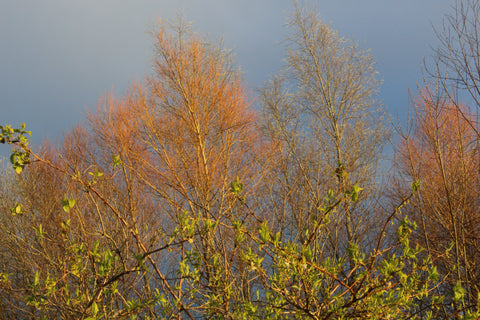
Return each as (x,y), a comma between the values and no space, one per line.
(58,57)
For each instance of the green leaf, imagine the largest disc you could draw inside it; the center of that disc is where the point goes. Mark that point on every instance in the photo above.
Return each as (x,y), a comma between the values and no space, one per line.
(17,209)
(330,194)
(355,191)
(94,308)
(264,232)
(19,159)
(116,161)
(433,274)
(40,233)
(415,185)
(458,292)
(94,252)
(4,278)
(67,204)
(36,279)
(66,225)
(18,169)
(13,158)
(236,187)
(96,173)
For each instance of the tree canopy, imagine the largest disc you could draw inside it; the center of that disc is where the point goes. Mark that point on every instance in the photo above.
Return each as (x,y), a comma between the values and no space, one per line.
(183,199)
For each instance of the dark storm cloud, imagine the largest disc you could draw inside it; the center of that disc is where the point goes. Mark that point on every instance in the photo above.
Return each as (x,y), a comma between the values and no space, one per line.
(58,57)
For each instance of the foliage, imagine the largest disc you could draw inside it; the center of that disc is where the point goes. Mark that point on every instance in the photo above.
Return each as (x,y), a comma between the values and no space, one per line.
(87,279)
(16,136)
(178,201)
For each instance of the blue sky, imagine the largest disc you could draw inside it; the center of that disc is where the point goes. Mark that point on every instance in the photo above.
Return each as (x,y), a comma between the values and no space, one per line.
(57,57)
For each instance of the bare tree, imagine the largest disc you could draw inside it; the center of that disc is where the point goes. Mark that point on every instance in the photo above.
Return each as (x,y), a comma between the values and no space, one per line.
(456,61)
(441,152)
(323,110)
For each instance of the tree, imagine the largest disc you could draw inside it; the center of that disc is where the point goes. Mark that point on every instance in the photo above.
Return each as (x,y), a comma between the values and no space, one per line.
(323,112)
(91,283)
(441,152)
(153,171)
(196,121)
(456,66)
(170,203)
(456,73)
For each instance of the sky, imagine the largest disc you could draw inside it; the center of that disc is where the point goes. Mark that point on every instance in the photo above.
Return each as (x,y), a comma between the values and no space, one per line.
(58,57)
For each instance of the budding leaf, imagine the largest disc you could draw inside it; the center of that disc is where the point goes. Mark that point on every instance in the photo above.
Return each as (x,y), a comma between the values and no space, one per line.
(264,232)
(96,173)
(116,161)
(17,209)
(355,191)
(67,204)
(36,278)
(415,186)
(236,187)
(94,308)
(40,233)
(458,292)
